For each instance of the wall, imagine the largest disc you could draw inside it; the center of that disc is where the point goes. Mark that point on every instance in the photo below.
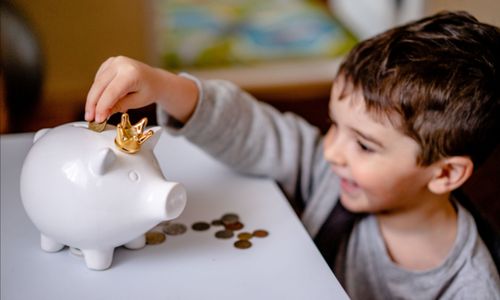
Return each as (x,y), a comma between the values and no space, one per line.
(484,10)
(76,36)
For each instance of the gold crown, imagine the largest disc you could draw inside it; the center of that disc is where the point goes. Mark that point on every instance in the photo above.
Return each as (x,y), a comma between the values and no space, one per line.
(130,138)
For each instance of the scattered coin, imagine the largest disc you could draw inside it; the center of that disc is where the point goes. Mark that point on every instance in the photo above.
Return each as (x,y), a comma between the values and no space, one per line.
(234,226)
(200,226)
(260,233)
(163,223)
(154,237)
(97,127)
(242,244)
(174,228)
(245,236)
(230,218)
(217,223)
(224,234)
(231,223)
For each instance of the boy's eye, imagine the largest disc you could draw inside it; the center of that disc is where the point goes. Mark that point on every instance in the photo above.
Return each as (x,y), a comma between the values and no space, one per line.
(364,147)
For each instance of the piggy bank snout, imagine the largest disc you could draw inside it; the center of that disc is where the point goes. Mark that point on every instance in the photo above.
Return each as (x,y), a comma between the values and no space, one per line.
(174,199)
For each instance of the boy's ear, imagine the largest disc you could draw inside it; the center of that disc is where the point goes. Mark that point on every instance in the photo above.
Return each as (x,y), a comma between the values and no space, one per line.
(450,173)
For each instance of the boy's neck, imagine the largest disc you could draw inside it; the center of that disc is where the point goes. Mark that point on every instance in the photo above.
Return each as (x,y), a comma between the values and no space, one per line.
(431,210)
(420,238)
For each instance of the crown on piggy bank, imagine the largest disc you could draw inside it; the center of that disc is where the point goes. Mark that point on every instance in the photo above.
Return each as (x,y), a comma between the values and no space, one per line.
(129,138)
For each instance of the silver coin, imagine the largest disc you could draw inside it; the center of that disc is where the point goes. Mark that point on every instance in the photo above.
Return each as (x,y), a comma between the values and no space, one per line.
(174,228)
(224,234)
(230,218)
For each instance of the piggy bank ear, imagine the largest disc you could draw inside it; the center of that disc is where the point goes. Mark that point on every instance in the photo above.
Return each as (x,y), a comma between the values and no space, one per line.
(39,134)
(151,142)
(102,161)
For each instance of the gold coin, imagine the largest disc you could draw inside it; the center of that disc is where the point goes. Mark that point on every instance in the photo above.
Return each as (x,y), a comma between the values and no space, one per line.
(245,236)
(224,234)
(242,244)
(174,228)
(154,237)
(234,226)
(200,226)
(97,127)
(230,218)
(260,233)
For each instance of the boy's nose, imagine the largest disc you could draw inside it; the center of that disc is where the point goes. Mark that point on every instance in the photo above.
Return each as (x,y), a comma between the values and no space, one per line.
(333,149)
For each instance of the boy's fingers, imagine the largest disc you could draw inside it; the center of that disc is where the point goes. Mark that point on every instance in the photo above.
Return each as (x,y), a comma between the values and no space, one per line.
(96,91)
(112,93)
(104,66)
(127,102)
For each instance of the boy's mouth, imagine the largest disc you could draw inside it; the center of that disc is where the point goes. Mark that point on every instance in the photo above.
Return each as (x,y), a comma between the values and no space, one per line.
(349,187)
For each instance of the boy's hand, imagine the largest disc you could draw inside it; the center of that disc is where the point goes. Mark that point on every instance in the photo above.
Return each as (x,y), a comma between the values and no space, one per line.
(122,83)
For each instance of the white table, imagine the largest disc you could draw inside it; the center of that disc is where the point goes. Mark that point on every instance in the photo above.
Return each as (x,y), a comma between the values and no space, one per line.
(196,265)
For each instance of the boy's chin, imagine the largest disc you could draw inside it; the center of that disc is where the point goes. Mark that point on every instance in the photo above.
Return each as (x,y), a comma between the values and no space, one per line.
(353,205)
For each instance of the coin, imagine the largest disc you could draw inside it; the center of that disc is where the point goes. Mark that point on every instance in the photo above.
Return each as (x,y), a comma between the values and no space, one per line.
(224,234)
(245,236)
(234,226)
(163,223)
(217,223)
(242,244)
(97,127)
(230,218)
(174,228)
(154,237)
(260,233)
(200,226)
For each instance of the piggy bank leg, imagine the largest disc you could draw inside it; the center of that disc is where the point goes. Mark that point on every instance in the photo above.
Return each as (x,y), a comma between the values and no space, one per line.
(137,243)
(98,259)
(75,251)
(49,244)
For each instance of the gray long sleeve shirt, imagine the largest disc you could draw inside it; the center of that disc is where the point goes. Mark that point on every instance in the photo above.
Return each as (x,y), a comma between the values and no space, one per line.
(256,139)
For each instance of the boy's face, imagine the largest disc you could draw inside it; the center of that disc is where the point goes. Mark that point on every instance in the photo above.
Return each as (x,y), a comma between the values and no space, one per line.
(376,163)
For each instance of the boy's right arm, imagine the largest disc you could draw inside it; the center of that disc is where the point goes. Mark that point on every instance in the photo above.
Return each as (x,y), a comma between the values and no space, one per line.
(122,83)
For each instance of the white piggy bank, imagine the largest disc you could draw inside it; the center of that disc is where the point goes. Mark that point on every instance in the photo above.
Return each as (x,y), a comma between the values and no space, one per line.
(81,190)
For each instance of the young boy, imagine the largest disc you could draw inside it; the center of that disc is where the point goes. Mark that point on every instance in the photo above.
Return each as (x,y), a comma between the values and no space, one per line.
(413,110)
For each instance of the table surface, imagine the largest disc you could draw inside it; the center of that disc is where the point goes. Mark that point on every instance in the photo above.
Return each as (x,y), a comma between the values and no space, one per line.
(195,265)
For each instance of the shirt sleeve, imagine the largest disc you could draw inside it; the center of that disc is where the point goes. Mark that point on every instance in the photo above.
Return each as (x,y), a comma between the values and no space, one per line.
(252,137)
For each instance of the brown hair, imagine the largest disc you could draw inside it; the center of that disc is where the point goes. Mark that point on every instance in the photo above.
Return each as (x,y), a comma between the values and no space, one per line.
(437,80)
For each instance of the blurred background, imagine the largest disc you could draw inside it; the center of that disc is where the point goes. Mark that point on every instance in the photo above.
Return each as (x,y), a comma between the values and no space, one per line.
(285,52)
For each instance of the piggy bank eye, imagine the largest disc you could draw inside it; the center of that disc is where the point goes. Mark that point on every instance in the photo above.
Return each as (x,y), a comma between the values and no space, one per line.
(133,176)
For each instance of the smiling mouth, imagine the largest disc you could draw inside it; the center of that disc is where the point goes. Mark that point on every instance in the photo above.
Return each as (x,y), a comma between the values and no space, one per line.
(349,187)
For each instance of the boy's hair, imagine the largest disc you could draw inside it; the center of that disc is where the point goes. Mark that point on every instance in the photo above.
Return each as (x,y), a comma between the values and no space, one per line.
(437,80)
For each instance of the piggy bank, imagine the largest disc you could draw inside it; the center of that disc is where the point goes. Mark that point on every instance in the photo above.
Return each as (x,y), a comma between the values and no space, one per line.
(81,190)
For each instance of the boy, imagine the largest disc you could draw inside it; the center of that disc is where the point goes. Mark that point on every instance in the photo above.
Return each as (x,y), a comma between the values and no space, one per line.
(413,111)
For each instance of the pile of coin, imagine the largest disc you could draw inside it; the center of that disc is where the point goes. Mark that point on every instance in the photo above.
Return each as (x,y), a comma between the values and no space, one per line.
(230,223)
(159,234)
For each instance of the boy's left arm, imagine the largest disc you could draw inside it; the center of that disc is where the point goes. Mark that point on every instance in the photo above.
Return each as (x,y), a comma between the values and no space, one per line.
(252,137)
